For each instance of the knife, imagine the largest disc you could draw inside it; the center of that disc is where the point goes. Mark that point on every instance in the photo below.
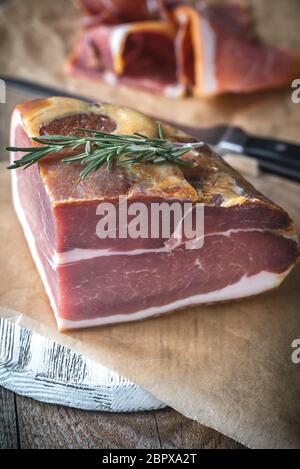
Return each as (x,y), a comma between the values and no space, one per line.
(273,156)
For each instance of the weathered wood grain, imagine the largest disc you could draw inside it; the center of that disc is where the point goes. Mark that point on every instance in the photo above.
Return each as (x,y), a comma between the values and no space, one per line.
(44,426)
(47,426)
(9,438)
(177,431)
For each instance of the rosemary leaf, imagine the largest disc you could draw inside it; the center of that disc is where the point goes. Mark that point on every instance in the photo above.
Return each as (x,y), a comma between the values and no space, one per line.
(160,131)
(102,148)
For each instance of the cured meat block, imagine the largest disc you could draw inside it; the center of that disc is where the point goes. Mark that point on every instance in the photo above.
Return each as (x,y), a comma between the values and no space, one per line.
(249,243)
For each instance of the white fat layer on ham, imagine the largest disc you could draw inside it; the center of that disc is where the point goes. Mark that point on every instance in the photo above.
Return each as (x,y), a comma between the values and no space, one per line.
(116,41)
(152,6)
(15,122)
(246,286)
(110,78)
(174,91)
(78,254)
(209,74)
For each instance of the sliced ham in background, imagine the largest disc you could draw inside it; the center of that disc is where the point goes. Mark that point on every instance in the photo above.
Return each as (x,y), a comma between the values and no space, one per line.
(125,11)
(139,54)
(219,53)
(116,11)
(176,47)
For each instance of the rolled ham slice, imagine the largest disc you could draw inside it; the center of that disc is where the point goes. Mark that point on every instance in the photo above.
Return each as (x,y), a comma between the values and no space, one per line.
(218,53)
(140,54)
(249,243)
(174,47)
(125,11)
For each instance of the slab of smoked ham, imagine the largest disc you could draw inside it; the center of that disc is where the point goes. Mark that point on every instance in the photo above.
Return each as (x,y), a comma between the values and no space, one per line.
(177,47)
(250,243)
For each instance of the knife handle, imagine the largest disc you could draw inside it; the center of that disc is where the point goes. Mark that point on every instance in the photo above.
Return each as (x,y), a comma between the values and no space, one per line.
(271,149)
(280,170)
(275,156)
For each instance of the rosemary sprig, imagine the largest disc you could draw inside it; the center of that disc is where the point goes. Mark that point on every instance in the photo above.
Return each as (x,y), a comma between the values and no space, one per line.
(101,147)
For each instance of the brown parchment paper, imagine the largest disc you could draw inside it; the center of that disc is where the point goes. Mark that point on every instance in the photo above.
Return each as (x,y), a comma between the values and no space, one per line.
(228,366)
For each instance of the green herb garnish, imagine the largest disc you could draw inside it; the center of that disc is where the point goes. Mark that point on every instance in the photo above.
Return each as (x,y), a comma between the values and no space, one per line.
(101,147)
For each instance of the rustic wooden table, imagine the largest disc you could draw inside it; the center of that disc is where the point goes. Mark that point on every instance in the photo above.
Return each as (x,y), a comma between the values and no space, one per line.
(25,423)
